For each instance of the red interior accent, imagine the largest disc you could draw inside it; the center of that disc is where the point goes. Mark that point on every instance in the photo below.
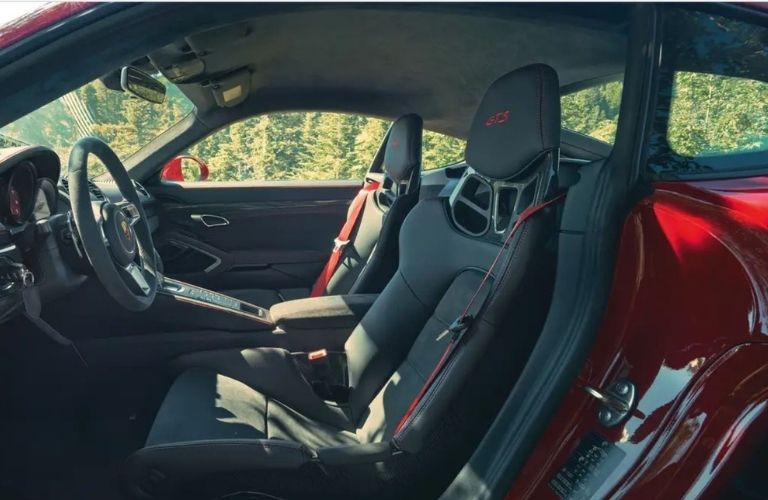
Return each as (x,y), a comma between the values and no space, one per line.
(687,322)
(172,170)
(497,118)
(314,355)
(355,210)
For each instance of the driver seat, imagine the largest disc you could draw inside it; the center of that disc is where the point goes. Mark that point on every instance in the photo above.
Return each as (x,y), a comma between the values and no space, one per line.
(424,372)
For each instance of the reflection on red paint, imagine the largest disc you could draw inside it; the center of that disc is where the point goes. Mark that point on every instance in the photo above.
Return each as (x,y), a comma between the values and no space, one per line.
(685,233)
(687,322)
(36,21)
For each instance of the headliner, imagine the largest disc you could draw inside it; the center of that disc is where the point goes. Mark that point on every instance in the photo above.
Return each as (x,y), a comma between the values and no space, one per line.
(388,60)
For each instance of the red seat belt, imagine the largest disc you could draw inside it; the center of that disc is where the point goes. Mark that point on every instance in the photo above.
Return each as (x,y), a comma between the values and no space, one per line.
(460,326)
(341,241)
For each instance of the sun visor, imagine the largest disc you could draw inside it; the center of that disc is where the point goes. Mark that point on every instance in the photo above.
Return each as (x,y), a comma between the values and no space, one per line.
(231,90)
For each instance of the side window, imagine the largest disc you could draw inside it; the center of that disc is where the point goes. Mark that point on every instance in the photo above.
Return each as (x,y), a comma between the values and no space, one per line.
(439,150)
(292,146)
(712,108)
(593,111)
(308,146)
(715,115)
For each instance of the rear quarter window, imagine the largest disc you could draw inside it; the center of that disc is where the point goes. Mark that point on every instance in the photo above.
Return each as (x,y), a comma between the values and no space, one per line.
(711,117)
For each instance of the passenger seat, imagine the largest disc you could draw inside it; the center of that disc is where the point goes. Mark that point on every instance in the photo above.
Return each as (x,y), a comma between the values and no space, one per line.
(364,257)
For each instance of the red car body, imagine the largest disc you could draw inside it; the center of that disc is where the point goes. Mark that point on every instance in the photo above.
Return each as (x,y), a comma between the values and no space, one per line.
(695,351)
(687,321)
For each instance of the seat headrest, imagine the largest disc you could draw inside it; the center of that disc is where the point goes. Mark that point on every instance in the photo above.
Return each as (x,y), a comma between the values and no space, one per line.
(517,121)
(403,150)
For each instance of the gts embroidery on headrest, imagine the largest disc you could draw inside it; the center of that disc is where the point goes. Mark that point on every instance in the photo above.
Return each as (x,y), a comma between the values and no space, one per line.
(497,118)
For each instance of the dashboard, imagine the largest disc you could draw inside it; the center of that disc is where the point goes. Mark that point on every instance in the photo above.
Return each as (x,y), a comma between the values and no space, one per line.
(38,243)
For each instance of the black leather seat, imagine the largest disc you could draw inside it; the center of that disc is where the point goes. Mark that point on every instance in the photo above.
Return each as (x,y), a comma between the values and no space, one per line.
(370,258)
(253,420)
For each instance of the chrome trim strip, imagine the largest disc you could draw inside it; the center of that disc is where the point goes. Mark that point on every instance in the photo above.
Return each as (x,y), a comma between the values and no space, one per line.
(209,305)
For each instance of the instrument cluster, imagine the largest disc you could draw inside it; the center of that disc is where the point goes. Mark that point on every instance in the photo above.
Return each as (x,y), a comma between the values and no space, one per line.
(18,191)
(27,185)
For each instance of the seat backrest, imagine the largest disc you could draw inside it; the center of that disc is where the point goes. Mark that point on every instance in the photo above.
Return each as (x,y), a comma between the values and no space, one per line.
(447,245)
(370,258)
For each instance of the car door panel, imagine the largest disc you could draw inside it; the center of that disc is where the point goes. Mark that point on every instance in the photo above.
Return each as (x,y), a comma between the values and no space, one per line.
(266,234)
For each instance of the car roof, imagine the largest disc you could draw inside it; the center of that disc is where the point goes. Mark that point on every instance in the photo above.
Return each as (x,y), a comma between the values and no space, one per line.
(386,60)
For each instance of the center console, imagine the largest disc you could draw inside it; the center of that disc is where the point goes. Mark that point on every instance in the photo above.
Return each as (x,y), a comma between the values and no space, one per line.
(296,325)
(191,294)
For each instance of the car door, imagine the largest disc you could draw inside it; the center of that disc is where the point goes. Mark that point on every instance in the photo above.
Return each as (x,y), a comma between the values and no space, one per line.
(671,401)
(275,194)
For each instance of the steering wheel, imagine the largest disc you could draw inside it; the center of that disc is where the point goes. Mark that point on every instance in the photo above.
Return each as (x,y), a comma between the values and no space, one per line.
(115,236)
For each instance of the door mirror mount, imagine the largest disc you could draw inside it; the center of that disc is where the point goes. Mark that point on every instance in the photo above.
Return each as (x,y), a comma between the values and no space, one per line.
(185,168)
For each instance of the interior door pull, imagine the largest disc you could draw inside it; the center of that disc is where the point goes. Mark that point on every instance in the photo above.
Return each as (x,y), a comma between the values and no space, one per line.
(209,220)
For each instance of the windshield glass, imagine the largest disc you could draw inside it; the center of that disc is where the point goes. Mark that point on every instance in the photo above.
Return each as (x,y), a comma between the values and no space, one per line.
(125,123)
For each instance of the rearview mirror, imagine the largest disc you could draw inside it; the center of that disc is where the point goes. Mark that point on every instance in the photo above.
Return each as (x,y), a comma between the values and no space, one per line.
(142,85)
(185,168)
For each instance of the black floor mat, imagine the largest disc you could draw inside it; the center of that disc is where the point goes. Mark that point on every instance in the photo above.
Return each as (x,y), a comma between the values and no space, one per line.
(65,430)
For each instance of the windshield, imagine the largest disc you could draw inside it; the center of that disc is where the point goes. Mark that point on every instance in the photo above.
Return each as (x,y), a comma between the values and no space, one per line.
(125,123)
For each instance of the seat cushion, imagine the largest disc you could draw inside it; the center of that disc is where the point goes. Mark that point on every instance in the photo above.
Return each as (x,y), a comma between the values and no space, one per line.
(213,424)
(204,405)
(270,371)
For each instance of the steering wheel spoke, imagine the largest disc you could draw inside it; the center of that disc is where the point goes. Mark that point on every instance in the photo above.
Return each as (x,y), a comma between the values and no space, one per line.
(130,211)
(136,274)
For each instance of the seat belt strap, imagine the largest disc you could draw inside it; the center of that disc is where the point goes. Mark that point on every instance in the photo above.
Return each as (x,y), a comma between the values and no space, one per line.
(342,240)
(462,324)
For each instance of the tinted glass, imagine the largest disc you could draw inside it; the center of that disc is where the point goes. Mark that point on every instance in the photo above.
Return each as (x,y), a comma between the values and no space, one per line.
(712,110)
(593,111)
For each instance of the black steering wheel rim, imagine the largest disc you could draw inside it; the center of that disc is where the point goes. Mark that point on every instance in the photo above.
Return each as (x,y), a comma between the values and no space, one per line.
(121,277)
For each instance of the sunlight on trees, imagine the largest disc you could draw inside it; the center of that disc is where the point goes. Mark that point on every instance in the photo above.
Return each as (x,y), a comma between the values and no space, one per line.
(308,146)
(710,114)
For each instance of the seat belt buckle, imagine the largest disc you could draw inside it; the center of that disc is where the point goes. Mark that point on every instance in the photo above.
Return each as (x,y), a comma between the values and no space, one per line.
(318,355)
(460,326)
(339,245)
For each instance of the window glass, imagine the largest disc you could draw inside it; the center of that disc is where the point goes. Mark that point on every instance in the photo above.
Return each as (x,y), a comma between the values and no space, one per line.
(293,146)
(712,105)
(312,146)
(716,115)
(125,123)
(593,111)
(440,150)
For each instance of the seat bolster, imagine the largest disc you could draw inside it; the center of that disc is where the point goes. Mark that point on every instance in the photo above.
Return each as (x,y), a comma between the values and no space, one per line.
(154,471)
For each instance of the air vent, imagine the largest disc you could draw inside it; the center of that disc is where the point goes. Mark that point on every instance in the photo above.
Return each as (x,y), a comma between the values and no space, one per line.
(141,189)
(92,188)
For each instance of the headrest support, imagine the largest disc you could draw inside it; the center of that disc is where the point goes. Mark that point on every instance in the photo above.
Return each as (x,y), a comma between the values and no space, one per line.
(517,121)
(402,153)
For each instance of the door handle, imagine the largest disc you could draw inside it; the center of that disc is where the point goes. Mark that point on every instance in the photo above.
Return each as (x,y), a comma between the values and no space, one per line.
(209,220)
